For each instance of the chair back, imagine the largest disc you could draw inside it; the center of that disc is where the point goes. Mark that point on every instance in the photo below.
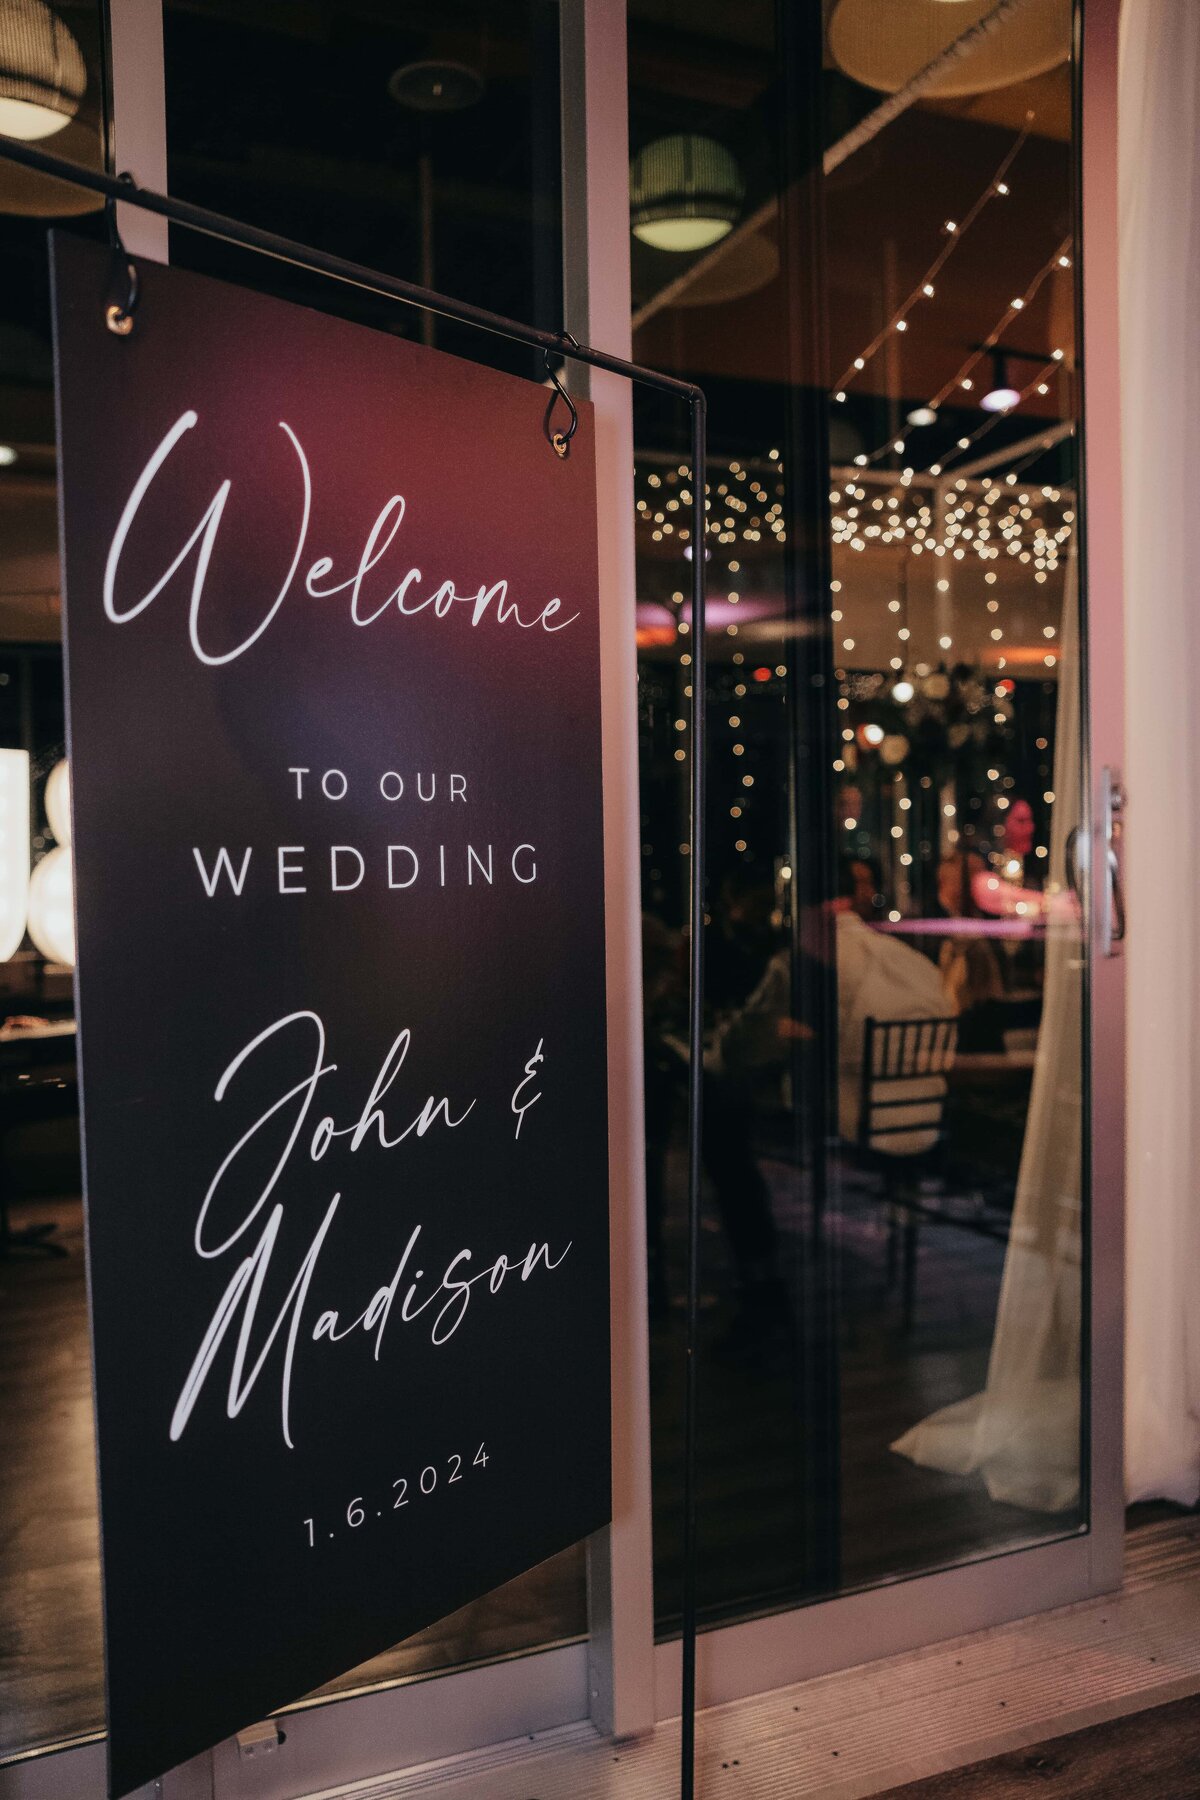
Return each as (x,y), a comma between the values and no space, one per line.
(904,1065)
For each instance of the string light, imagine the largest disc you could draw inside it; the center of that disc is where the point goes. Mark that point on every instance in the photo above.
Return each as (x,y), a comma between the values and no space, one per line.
(997,187)
(986,517)
(1038,383)
(963,378)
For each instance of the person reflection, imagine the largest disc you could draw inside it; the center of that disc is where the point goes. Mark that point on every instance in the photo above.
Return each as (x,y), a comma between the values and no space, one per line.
(737,953)
(859,889)
(969,967)
(664,1026)
(878,977)
(748,989)
(1002,886)
(741,939)
(749,1053)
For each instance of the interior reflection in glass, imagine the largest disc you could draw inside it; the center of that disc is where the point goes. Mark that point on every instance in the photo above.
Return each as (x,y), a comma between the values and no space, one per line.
(883,319)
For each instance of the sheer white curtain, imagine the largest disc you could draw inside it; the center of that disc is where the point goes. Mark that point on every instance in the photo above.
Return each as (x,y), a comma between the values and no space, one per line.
(1160,398)
(1021,1434)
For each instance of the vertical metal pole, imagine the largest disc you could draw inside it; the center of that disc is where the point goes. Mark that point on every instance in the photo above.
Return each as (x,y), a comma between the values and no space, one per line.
(687,1764)
(811,705)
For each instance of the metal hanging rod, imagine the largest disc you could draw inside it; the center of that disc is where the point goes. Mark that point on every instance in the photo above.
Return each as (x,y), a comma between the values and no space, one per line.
(306,256)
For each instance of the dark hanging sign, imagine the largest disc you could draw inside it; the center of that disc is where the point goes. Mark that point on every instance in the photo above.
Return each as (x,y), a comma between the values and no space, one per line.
(332,642)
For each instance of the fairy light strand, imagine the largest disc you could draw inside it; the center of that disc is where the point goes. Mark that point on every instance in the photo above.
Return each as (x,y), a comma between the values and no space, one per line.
(869,511)
(924,290)
(963,376)
(1039,384)
(1060,260)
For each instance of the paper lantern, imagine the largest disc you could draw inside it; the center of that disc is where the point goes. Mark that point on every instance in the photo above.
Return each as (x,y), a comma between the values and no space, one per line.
(52,906)
(14,849)
(42,72)
(884,43)
(57,801)
(685,193)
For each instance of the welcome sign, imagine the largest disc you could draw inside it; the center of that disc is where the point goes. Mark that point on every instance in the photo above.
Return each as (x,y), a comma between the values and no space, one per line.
(332,654)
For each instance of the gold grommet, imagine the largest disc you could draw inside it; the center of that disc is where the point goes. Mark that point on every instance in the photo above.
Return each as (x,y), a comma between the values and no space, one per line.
(118,321)
(561,443)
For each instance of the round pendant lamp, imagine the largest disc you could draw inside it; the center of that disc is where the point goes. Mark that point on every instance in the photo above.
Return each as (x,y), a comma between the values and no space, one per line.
(52,884)
(14,849)
(56,798)
(42,71)
(52,907)
(884,43)
(436,86)
(685,193)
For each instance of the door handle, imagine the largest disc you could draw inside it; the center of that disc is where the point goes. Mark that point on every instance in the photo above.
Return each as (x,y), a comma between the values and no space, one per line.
(1112,894)
(1071,861)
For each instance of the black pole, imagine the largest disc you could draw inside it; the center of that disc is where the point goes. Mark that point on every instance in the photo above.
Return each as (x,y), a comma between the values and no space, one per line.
(814,729)
(306,256)
(687,1763)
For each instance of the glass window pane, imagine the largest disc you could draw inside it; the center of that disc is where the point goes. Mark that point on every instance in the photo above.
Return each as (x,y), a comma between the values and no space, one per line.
(419,140)
(51,1671)
(883,319)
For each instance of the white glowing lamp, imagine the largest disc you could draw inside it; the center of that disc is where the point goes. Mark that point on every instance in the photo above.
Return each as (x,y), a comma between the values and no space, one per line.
(52,884)
(52,906)
(1000,399)
(14,849)
(685,193)
(57,801)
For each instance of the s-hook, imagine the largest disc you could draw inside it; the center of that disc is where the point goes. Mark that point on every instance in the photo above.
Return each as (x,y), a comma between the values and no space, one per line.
(561,440)
(119,316)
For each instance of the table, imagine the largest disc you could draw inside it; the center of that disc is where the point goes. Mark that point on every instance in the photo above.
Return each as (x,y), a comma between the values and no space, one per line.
(37,1080)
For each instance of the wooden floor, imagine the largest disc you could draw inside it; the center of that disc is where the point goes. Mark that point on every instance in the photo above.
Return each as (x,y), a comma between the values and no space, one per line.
(1154,1755)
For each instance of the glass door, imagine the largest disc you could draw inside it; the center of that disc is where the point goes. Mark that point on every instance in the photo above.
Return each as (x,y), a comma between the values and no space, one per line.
(911,1258)
(882,303)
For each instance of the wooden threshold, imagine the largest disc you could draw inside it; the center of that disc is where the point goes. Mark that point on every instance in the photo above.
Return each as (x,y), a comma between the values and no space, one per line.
(867,1730)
